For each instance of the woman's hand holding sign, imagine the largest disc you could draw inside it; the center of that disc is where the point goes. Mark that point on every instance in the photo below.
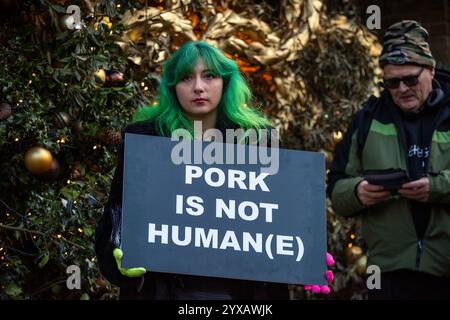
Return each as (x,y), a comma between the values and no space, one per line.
(329,275)
(132,272)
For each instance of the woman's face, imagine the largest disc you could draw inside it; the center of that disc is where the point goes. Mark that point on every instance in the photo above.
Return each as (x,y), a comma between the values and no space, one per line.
(199,93)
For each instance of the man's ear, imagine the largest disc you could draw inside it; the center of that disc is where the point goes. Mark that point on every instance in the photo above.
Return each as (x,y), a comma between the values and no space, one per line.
(432,71)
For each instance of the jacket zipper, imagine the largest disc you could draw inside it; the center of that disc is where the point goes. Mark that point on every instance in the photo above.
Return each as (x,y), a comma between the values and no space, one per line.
(419,252)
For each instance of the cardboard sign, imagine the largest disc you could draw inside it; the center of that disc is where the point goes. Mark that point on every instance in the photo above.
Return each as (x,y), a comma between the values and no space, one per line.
(224,220)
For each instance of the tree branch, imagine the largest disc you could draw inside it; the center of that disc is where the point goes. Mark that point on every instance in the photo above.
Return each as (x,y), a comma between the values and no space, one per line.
(41,234)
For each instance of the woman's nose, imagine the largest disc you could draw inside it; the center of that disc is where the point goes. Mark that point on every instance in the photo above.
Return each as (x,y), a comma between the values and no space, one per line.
(199,86)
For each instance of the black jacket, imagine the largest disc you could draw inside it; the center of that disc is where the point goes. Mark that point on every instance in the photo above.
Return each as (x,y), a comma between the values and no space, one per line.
(163,286)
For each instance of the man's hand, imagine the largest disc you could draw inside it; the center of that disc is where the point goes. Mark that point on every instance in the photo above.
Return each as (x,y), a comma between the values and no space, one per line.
(370,194)
(132,272)
(418,190)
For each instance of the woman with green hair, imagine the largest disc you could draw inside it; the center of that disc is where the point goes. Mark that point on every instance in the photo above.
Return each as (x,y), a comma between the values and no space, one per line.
(233,99)
(199,83)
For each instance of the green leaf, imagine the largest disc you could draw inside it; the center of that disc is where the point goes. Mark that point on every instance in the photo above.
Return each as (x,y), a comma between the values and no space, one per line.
(43,261)
(85,296)
(88,231)
(13,290)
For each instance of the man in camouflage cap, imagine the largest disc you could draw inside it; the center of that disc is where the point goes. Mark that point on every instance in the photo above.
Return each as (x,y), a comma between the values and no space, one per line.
(403,139)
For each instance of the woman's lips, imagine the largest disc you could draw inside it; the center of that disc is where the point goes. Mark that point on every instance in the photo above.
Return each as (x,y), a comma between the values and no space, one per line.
(199,100)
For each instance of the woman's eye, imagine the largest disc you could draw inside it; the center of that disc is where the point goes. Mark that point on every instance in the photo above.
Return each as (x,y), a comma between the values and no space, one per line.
(209,76)
(186,78)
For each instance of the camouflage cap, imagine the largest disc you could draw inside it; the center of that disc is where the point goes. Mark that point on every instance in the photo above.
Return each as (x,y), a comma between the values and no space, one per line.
(406,42)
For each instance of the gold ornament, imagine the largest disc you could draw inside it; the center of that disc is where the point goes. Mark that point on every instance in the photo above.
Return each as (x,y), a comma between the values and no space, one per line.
(38,160)
(100,77)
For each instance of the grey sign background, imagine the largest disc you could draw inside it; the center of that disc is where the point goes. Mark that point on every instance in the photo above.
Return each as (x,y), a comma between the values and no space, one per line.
(152,181)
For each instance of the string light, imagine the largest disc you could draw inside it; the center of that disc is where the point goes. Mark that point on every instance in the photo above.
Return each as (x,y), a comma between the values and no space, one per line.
(16,139)
(146,89)
(33,74)
(65,84)
(80,230)
(350,245)
(1,248)
(68,181)
(154,103)
(93,48)
(59,236)
(352,236)
(29,214)
(93,259)
(30,81)
(142,84)
(34,237)
(118,5)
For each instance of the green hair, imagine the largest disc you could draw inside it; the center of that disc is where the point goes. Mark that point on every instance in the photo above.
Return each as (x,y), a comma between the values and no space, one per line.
(234,107)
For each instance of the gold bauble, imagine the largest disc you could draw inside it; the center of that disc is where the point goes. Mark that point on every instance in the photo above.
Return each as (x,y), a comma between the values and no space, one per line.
(100,77)
(38,160)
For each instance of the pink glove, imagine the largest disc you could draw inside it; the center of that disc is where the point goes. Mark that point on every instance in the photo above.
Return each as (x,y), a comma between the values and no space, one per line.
(329,275)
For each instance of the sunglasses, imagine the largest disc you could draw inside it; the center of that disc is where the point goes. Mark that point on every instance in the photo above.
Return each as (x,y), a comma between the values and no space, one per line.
(394,83)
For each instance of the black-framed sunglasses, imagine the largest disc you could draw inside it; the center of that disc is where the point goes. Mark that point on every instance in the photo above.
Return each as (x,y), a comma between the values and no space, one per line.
(394,83)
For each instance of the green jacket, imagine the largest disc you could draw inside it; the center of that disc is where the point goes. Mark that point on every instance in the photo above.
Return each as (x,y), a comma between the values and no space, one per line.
(375,141)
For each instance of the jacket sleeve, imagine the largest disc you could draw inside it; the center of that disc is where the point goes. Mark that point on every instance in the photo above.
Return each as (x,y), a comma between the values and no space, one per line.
(440,187)
(107,236)
(345,175)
